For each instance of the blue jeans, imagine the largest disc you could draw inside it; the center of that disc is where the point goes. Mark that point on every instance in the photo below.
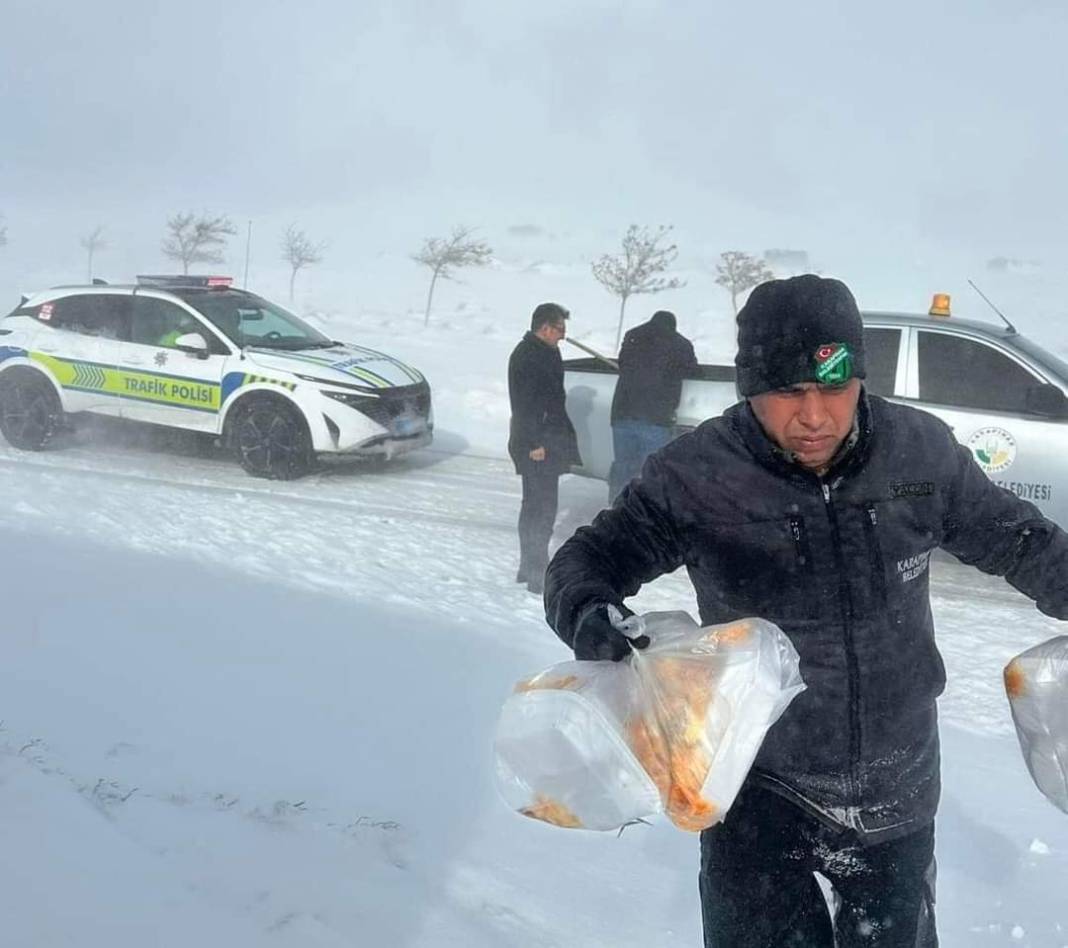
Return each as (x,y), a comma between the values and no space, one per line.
(632,442)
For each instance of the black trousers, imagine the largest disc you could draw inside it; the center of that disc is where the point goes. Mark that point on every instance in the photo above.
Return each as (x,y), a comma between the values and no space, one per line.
(758,889)
(537,514)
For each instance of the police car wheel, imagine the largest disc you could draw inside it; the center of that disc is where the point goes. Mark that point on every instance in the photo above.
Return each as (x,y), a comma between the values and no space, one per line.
(30,410)
(271,440)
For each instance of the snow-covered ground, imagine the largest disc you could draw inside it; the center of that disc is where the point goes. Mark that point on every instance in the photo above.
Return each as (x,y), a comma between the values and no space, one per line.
(240,713)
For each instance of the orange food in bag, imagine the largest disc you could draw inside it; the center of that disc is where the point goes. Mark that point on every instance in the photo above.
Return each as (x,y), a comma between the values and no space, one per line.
(545,682)
(671,744)
(734,634)
(551,811)
(1015,680)
(673,728)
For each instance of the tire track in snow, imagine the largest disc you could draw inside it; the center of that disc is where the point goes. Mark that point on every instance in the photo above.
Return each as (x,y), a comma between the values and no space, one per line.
(354,508)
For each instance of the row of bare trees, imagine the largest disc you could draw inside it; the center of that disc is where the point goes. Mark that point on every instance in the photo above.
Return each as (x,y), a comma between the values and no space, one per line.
(641,267)
(193,239)
(647,256)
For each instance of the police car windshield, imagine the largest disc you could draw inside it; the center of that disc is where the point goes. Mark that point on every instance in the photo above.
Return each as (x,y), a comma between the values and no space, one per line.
(249,320)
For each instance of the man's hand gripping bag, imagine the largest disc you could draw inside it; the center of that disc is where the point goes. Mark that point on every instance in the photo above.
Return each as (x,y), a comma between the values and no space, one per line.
(673,728)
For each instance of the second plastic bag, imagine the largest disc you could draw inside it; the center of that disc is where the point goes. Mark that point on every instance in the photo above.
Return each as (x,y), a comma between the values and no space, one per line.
(1036,682)
(672,729)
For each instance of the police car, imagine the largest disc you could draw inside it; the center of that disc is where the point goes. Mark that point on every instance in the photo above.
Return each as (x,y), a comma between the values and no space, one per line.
(198,354)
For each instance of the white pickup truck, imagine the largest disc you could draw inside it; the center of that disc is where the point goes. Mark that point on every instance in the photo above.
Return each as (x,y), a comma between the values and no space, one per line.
(1005,397)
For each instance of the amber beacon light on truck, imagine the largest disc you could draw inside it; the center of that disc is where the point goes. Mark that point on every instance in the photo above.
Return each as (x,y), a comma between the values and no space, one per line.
(939,305)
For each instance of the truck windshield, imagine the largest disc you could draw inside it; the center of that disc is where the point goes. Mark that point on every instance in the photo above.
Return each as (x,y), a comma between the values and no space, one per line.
(1043,357)
(249,320)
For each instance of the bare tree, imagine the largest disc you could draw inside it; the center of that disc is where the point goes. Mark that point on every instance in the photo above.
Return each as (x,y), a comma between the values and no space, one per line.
(635,270)
(91,243)
(738,272)
(299,252)
(191,239)
(444,255)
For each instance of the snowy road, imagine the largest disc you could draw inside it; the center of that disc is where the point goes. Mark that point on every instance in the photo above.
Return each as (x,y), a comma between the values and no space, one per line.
(435,531)
(277,670)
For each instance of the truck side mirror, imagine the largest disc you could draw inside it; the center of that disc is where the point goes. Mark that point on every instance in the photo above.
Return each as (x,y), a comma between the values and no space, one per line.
(1047,400)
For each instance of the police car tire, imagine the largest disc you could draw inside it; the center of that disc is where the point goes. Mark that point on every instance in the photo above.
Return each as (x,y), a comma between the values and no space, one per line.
(30,409)
(271,439)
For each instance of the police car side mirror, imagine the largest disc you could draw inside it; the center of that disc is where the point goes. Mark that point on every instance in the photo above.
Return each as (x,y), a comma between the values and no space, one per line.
(193,343)
(1047,400)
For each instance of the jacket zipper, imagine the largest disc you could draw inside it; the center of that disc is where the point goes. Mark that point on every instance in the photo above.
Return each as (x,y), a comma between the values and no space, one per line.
(875,552)
(797,531)
(852,668)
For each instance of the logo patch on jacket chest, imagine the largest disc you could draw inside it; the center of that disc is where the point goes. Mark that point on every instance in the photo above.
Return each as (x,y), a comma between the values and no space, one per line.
(911,488)
(912,566)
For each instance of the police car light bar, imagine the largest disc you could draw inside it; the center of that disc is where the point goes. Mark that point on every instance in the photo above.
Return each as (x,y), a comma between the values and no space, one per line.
(202,282)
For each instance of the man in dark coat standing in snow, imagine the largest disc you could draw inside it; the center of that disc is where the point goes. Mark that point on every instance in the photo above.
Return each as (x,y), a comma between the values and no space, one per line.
(541,438)
(817,506)
(653,361)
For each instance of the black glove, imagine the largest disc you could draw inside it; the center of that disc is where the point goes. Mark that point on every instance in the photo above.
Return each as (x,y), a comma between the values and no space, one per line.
(596,639)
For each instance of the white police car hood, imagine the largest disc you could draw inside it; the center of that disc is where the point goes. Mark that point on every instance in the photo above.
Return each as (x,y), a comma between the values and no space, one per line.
(344,363)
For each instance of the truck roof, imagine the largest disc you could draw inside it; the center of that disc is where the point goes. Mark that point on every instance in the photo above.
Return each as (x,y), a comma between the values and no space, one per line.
(1004,335)
(873,317)
(882,318)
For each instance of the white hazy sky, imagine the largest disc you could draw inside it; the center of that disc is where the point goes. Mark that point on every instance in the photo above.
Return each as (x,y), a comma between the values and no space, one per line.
(756,124)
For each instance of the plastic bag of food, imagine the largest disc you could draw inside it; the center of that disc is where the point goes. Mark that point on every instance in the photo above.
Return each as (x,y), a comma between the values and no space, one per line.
(1036,682)
(672,729)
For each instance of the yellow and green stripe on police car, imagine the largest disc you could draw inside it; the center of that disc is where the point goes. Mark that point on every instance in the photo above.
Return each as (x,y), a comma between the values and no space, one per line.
(175,390)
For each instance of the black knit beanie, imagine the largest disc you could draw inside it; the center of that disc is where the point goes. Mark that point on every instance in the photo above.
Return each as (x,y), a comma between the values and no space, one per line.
(804,329)
(663,319)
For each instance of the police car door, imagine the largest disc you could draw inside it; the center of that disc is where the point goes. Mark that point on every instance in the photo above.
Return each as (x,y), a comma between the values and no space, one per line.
(981,391)
(77,348)
(164,384)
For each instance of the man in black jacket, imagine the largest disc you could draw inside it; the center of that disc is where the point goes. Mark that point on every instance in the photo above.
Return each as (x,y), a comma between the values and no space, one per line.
(816,506)
(541,438)
(653,361)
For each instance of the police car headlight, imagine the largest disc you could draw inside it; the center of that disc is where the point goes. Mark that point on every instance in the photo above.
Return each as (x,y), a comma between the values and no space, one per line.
(353,400)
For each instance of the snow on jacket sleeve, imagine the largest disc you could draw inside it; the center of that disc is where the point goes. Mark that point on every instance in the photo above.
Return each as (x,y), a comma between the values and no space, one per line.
(989,527)
(627,545)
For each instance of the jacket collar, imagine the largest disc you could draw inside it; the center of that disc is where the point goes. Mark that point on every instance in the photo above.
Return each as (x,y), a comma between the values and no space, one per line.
(530,337)
(851,456)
